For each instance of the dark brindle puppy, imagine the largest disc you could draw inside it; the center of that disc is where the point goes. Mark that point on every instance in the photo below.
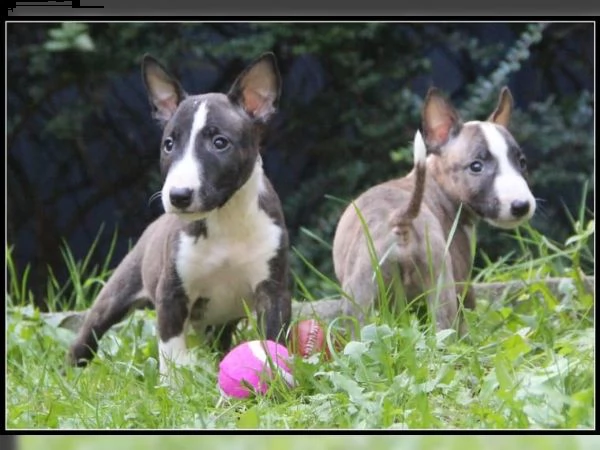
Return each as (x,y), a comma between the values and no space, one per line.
(222,243)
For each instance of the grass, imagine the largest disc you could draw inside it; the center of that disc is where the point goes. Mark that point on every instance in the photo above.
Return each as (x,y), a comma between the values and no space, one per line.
(313,442)
(527,363)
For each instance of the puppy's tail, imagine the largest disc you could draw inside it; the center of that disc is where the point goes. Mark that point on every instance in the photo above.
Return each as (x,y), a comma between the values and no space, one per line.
(401,219)
(420,155)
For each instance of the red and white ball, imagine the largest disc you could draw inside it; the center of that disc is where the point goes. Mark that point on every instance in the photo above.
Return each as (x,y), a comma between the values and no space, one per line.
(247,366)
(308,338)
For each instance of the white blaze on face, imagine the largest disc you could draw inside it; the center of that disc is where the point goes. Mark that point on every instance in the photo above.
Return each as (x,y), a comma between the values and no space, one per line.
(185,172)
(509,184)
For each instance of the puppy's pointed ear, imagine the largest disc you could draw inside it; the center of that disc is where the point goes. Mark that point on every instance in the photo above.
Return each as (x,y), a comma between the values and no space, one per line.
(440,121)
(258,87)
(164,91)
(501,114)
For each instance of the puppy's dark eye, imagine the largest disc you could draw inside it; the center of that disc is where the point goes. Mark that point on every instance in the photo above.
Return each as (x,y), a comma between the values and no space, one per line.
(523,163)
(168,144)
(476,166)
(220,142)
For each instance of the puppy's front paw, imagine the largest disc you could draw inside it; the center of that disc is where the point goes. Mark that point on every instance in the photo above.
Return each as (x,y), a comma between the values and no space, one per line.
(79,355)
(172,374)
(171,359)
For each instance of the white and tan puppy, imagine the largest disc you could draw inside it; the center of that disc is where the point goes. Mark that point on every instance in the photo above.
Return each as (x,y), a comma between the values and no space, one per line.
(462,172)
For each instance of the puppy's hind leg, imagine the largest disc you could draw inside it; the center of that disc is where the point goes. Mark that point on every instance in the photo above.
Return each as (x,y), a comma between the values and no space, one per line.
(117,298)
(357,306)
(361,288)
(436,276)
(468,303)
(441,298)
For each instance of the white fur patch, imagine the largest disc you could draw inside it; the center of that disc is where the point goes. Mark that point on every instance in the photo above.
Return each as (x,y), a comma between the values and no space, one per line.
(509,184)
(173,352)
(227,266)
(185,172)
(419,148)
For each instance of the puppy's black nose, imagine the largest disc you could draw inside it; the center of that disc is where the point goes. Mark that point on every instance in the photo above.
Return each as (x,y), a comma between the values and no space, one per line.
(180,197)
(519,208)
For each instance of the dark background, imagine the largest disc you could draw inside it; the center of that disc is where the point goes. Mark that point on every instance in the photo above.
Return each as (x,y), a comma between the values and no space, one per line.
(83,150)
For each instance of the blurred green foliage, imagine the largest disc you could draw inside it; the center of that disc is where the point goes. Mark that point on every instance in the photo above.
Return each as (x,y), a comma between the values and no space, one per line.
(407,442)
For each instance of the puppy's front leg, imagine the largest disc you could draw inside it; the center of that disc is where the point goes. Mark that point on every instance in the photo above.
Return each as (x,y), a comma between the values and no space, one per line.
(172,313)
(273,309)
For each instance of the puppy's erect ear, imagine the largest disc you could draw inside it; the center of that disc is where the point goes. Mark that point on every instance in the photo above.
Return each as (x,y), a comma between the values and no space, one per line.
(258,87)
(163,89)
(501,114)
(440,121)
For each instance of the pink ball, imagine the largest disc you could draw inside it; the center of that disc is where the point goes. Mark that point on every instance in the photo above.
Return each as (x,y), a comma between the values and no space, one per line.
(248,362)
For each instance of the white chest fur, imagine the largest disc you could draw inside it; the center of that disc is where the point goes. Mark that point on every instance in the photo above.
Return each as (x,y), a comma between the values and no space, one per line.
(226,266)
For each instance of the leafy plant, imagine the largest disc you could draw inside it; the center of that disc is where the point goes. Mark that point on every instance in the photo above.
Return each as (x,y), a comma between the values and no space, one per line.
(528,363)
